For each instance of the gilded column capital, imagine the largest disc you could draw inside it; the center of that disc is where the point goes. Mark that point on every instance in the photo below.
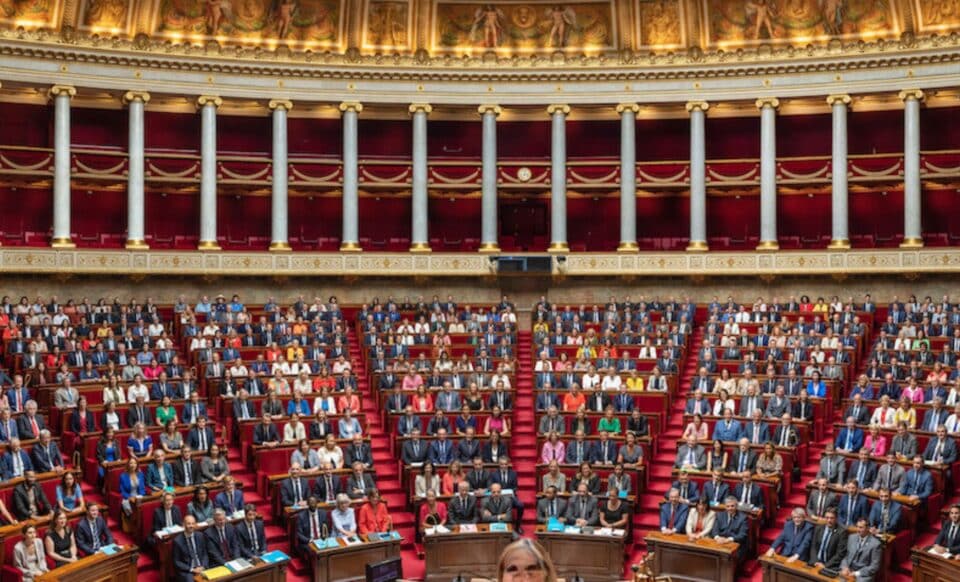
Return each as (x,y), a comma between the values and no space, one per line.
(204,100)
(908,94)
(838,98)
(280,103)
(418,107)
(490,108)
(558,108)
(771,102)
(58,90)
(131,96)
(698,105)
(622,107)
(354,106)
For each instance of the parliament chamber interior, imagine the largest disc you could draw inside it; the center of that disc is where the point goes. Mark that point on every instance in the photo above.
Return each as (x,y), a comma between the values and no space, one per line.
(341,290)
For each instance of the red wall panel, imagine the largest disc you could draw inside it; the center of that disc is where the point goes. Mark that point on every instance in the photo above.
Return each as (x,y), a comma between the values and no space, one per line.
(732,137)
(523,139)
(735,217)
(241,217)
(95,213)
(593,139)
(804,135)
(380,137)
(321,137)
(34,211)
(454,219)
(803,216)
(454,139)
(661,216)
(26,125)
(940,128)
(661,139)
(240,134)
(871,132)
(939,208)
(99,127)
(313,218)
(171,215)
(385,218)
(174,131)
(876,214)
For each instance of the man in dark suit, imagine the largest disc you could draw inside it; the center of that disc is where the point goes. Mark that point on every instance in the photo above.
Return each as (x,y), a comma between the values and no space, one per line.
(327,485)
(139,413)
(507,479)
(230,499)
(582,509)
(689,494)
(30,423)
(829,545)
(850,438)
(731,526)
(715,490)
(243,408)
(358,483)
(884,514)
(863,470)
(295,489)
(167,515)
(311,524)
(604,451)
(917,483)
(551,506)
(462,507)
(785,435)
(414,449)
(852,506)
(743,459)
(832,467)
(186,472)
(92,532)
(673,513)
(821,499)
(468,447)
(201,437)
(942,449)
(189,552)
(253,540)
(794,540)
(265,433)
(15,462)
(409,422)
(441,450)
(221,540)
(358,451)
(858,411)
(496,507)
(478,477)
(948,540)
(23,507)
(748,493)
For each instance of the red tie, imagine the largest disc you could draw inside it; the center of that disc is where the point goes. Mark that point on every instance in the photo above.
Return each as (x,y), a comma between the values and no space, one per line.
(36,429)
(672,514)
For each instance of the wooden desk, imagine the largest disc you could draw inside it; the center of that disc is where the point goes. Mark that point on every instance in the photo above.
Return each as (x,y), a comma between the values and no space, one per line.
(594,558)
(701,561)
(261,572)
(120,567)
(451,554)
(930,568)
(776,569)
(349,563)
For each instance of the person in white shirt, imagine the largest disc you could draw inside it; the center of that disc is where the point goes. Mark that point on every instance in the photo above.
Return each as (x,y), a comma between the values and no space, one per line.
(953,421)
(648,351)
(543,364)
(210,329)
(138,389)
(238,370)
(591,379)
(884,415)
(331,453)
(293,430)
(731,328)
(830,341)
(303,384)
(611,382)
(198,343)
(500,376)
(281,365)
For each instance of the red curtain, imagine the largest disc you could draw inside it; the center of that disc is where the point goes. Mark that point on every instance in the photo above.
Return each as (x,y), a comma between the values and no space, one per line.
(591,139)
(318,137)
(523,139)
(381,137)
(27,125)
(732,137)
(97,215)
(802,135)
(243,135)
(99,128)
(173,219)
(173,131)
(454,139)
(33,215)
(315,222)
(661,139)
(873,132)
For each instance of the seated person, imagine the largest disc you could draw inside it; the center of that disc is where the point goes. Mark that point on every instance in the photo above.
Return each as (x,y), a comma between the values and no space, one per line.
(917,483)
(731,526)
(189,552)
(673,514)
(251,537)
(948,540)
(92,532)
(794,540)
(864,554)
(885,514)
(373,516)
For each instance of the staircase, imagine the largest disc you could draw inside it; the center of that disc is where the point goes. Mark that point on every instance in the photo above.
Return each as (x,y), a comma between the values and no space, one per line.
(523,442)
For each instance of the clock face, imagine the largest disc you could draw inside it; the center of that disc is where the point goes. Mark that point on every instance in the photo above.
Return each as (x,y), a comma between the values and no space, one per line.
(524,174)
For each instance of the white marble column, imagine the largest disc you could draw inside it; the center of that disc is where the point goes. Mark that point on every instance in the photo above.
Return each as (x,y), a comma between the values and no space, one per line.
(350,237)
(628,177)
(768,173)
(912,227)
(136,212)
(61,95)
(558,178)
(420,236)
(279,216)
(489,241)
(208,105)
(698,176)
(840,232)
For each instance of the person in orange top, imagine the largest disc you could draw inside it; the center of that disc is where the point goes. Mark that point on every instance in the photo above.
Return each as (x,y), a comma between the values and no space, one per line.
(273,352)
(373,515)
(574,399)
(324,380)
(349,400)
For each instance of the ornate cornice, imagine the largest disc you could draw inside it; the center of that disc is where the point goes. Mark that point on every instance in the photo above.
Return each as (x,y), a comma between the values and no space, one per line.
(363,264)
(420,108)
(62,90)
(350,106)
(623,107)
(765,102)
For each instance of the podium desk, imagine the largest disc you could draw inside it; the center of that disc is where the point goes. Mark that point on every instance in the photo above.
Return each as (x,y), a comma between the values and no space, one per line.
(595,558)
(776,569)
(930,568)
(119,567)
(468,553)
(261,572)
(701,561)
(347,563)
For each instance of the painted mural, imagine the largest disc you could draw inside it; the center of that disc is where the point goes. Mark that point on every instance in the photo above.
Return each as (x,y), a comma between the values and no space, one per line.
(32,13)
(524,26)
(387,24)
(937,15)
(661,23)
(738,22)
(113,15)
(309,21)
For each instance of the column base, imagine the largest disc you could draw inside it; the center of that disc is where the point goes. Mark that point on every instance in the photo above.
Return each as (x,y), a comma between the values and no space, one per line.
(136,244)
(350,247)
(63,243)
(420,247)
(697,246)
(628,246)
(280,247)
(839,244)
(768,245)
(558,247)
(489,247)
(912,243)
(208,245)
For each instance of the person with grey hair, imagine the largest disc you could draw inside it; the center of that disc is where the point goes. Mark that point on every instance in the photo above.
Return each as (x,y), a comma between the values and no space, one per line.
(66,396)
(343,517)
(794,541)
(30,424)
(673,514)
(221,539)
(15,462)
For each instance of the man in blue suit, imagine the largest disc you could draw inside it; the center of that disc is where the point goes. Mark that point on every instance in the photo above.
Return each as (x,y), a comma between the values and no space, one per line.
(17,395)
(852,506)
(604,451)
(673,514)
(942,450)
(159,473)
(716,489)
(884,515)
(507,478)
(189,552)
(794,540)
(311,524)
(230,499)
(850,438)
(250,533)
(697,405)
(441,450)
(917,483)
(863,470)
(748,492)
(15,462)
(728,429)
(689,494)
(221,540)
(92,532)
(731,526)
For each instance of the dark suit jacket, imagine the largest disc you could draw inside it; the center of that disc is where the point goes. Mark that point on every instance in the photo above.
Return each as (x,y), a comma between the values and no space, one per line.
(193,438)
(25,429)
(459,511)
(180,469)
(320,487)
(750,463)
(75,422)
(943,538)
(215,549)
(715,493)
(754,497)
(409,457)
(353,454)
(304,528)
(85,535)
(287,493)
(836,547)
(791,542)
(182,558)
(21,504)
(145,417)
(250,548)
(175,516)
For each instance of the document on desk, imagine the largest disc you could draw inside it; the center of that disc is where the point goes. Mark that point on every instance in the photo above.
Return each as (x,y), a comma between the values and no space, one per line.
(468,528)
(238,565)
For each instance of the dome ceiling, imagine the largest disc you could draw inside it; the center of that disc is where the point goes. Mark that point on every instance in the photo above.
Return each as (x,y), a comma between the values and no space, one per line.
(507,27)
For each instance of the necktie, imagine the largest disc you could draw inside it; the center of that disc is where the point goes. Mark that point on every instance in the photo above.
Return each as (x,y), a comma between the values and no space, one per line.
(783,436)
(33,425)
(821,555)
(187,477)
(579,453)
(194,559)
(849,439)
(745,496)
(850,510)
(952,535)
(314,527)
(672,512)
(553,510)
(253,537)
(820,505)
(94,534)
(224,548)
(168,517)
(203,440)
(756,434)
(689,456)
(296,490)
(17,464)
(329,489)
(743,462)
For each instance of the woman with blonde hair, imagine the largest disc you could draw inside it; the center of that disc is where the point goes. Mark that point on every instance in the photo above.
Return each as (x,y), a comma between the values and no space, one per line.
(525,559)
